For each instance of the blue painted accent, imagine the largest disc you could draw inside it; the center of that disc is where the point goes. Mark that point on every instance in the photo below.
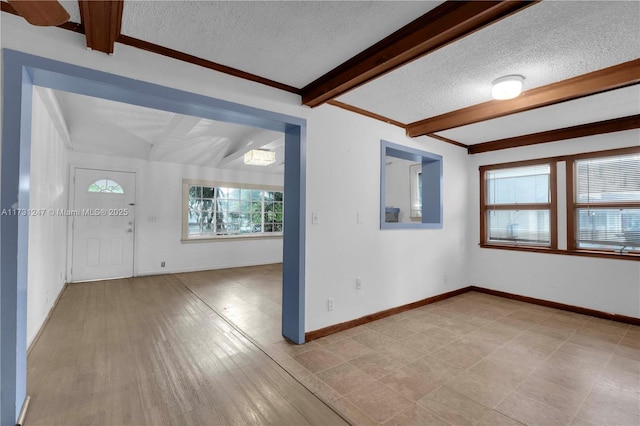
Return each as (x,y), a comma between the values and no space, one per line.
(21,72)
(294,236)
(432,209)
(11,379)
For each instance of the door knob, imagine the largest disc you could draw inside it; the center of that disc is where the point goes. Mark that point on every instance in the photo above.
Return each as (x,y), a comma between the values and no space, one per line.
(129,230)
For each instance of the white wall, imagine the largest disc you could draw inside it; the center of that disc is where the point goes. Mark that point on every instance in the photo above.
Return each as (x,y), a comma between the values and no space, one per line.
(47,233)
(397,266)
(607,285)
(398,188)
(159,194)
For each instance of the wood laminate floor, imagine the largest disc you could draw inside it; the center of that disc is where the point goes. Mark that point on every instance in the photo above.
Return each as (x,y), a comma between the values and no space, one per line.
(147,351)
(153,351)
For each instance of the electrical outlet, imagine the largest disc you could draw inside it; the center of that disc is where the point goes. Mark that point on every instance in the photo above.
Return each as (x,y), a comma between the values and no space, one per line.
(330,304)
(162,264)
(358,283)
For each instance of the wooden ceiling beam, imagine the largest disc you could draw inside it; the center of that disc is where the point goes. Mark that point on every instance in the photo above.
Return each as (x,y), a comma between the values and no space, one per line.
(590,129)
(445,24)
(101,21)
(43,13)
(614,77)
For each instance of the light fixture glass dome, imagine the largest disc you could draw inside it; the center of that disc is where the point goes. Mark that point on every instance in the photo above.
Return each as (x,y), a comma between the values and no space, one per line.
(507,87)
(259,157)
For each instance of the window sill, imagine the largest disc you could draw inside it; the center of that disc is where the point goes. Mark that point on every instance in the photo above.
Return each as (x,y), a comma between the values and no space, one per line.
(220,238)
(584,253)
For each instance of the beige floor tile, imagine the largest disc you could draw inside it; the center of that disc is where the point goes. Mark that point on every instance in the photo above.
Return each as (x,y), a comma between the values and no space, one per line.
(497,332)
(436,369)
(605,408)
(344,378)
(430,340)
(379,402)
(629,347)
(348,348)
(466,351)
(373,339)
(506,373)
(531,411)
(580,379)
(552,394)
(621,397)
(395,331)
(415,416)
(352,413)
(409,383)
(585,354)
(607,343)
(455,325)
(495,418)
(480,389)
(317,359)
(375,364)
(627,365)
(453,407)
(401,353)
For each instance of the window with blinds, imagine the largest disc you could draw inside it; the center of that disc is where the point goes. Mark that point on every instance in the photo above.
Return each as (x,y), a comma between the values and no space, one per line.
(607,203)
(517,205)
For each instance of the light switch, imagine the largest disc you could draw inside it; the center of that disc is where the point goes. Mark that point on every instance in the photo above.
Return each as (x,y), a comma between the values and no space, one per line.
(314,218)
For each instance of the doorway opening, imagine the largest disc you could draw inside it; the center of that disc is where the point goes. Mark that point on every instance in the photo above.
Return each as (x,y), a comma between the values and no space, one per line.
(22,72)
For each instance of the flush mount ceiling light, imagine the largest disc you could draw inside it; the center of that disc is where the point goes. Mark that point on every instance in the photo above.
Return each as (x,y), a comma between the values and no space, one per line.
(259,157)
(507,87)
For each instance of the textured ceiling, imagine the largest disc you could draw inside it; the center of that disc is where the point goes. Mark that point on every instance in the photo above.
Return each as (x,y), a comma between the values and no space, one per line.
(291,42)
(295,42)
(600,107)
(547,42)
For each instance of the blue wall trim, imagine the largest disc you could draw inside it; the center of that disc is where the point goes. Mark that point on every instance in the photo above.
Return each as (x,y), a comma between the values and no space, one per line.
(21,72)
(432,186)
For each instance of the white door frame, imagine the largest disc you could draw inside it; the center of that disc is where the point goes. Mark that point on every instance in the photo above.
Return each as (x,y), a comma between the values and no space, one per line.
(72,196)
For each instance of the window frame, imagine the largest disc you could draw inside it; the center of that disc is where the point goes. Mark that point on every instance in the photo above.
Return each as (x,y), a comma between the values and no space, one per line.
(551,206)
(186,238)
(573,206)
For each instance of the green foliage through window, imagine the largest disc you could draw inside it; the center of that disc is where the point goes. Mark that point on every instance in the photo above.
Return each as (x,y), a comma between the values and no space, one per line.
(216,211)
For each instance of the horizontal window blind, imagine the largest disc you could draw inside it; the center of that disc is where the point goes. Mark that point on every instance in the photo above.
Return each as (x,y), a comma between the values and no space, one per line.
(609,179)
(530,227)
(518,205)
(518,185)
(608,203)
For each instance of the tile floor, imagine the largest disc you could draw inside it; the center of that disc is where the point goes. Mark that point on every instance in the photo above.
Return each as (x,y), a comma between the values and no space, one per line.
(471,359)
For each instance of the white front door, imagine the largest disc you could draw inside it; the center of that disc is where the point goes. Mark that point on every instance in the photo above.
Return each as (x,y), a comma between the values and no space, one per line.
(103,224)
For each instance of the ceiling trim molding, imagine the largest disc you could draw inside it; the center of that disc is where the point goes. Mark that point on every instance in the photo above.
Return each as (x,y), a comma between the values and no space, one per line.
(388,120)
(445,24)
(447,140)
(101,21)
(614,77)
(181,56)
(365,113)
(590,129)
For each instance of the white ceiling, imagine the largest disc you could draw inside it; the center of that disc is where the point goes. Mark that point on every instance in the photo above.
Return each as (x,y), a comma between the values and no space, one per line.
(295,42)
(547,42)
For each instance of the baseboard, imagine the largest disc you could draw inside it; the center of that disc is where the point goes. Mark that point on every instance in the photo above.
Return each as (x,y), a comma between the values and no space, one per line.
(326,331)
(557,305)
(46,320)
(322,332)
(151,273)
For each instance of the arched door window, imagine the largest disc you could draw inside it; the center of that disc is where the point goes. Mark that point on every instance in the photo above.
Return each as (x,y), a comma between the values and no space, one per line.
(107,186)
